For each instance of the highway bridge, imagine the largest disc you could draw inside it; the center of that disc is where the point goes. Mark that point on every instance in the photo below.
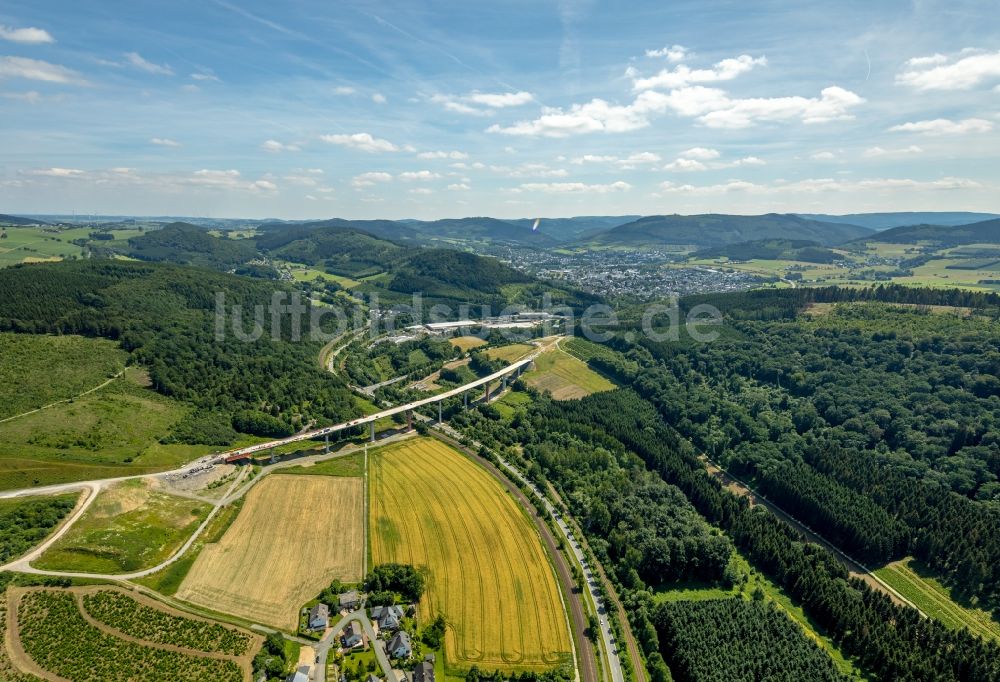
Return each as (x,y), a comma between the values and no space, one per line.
(502,376)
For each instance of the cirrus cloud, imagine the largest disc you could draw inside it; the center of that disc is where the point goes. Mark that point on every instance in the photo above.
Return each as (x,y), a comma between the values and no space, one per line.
(38,70)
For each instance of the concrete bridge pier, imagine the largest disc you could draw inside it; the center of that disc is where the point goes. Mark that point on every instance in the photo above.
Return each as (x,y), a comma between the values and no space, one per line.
(326,443)
(486,392)
(465,396)
(373,431)
(440,418)
(409,420)
(504,382)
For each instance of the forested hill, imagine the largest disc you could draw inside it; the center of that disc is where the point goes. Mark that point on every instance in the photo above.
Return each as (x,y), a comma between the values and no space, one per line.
(483,228)
(17,220)
(884,221)
(164,315)
(987,231)
(769,249)
(712,230)
(189,244)
(382,229)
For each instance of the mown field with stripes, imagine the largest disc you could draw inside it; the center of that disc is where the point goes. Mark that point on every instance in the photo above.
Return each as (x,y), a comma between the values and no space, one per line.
(486,569)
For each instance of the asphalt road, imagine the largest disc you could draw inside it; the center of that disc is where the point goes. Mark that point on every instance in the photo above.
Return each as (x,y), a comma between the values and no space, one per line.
(324,645)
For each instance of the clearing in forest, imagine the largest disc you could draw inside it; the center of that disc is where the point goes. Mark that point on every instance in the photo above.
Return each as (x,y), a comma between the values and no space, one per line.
(565,377)
(486,570)
(294,535)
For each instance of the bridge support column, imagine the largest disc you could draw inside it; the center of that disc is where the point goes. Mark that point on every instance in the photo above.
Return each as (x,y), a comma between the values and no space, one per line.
(409,420)
(373,431)
(326,443)
(440,418)
(504,382)
(486,392)
(465,396)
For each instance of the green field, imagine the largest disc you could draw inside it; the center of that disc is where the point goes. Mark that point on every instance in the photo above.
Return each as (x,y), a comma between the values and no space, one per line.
(100,435)
(34,244)
(168,580)
(912,580)
(39,369)
(564,376)
(350,465)
(510,353)
(129,527)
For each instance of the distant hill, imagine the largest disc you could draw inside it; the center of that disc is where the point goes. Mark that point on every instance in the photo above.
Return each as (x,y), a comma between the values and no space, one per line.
(482,228)
(340,250)
(773,249)
(884,221)
(17,220)
(383,229)
(190,245)
(565,229)
(987,231)
(713,230)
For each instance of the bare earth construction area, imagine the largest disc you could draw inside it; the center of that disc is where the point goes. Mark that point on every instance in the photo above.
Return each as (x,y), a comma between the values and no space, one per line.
(293,536)
(487,571)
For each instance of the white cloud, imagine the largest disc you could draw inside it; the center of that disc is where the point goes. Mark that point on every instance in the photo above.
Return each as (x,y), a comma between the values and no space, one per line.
(164,142)
(749,161)
(421,190)
(674,53)
(962,72)
(530,170)
(304,180)
(265,185)
(344,90)
(57,172)
(816,185)
(370,179)
(421,175)
(682,76)
(500,100)
(136,60)
(709,106)
(944,126)
(685,165)
(874,152)
(481,103)
(28,36)
(378,98)
(700,153)
(274,146)
(456,155)
(823,156)
(574,187)
(459,187)
(38,70)
(216,178)
(203,76)
(362,141)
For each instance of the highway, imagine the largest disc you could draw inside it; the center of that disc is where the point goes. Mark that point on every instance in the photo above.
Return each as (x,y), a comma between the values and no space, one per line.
(399,409)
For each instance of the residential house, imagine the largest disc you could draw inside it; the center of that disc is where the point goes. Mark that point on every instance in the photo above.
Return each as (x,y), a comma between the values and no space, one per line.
(387,617)
(300,675)
(349,601)
(353,635)
(372,677)
(399,646)
(424,672)
(319,617)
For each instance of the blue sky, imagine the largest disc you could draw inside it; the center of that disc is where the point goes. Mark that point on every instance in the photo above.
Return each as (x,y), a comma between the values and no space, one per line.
(442,109)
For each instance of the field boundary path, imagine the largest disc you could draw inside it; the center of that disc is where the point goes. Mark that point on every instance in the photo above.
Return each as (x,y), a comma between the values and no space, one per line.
(65,400)
(853,566)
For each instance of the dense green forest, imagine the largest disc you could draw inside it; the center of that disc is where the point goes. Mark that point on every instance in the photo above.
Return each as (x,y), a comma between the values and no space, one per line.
(915,390)
(165,316)
(190,245)
(735,639)
(367,365)
(26,522)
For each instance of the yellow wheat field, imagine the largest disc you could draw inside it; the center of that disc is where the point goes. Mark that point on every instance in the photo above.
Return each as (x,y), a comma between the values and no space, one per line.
(294,535)
(486,569)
